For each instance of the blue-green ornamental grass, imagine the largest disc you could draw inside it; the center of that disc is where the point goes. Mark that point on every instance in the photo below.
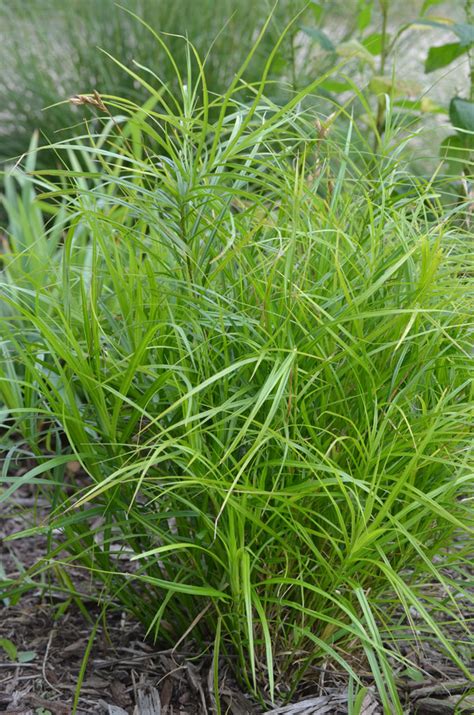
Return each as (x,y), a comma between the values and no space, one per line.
(256,341)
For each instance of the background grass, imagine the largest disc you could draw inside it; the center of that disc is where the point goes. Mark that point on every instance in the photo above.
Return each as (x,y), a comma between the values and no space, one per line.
(54,53)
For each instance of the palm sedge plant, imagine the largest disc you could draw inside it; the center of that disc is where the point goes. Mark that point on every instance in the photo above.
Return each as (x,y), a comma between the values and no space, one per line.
(256,344)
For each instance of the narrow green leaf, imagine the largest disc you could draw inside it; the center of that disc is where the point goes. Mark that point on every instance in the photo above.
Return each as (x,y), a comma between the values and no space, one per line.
(443,55)
(353,48)
(429,3)
(9,648)
(373,43)
(364,15)
(320,37)
(461,113)
(465,32)
(26,656)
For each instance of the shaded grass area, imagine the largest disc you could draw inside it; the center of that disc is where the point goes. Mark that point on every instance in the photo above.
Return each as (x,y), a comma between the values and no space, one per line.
(254,335)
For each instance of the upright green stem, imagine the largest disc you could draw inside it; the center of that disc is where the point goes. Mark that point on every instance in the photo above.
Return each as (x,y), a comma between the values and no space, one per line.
(383,42)
(383,61)
(469,11)
(293,62)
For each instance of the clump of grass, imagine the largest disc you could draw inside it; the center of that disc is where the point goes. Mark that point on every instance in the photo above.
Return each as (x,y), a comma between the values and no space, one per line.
(258,349)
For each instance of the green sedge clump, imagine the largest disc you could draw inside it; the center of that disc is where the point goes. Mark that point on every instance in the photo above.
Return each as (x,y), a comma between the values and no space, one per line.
(255,340)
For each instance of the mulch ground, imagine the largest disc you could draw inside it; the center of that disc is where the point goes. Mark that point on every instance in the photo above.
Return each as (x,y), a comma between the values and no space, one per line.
(126,675)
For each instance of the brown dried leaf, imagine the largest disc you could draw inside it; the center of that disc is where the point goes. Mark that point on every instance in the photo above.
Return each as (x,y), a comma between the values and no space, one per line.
(166,694)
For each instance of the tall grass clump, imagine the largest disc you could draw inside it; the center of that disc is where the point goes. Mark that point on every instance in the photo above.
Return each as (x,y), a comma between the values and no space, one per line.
(49,51)
(256,343)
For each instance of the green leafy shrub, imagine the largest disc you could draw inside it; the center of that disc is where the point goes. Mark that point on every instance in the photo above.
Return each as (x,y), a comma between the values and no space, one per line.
(374,46)
(255,340)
